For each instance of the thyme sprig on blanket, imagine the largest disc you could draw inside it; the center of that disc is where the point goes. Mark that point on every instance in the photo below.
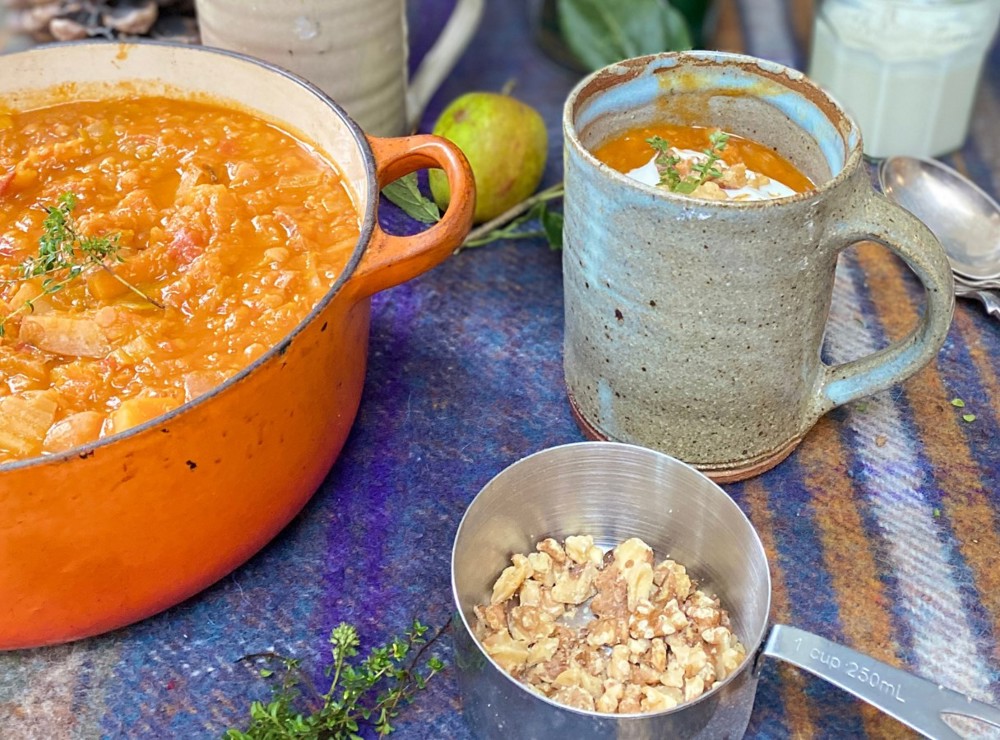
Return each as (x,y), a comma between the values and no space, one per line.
(366,693)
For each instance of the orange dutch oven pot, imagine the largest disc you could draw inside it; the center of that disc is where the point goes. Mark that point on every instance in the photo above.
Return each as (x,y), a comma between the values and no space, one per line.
(105,535)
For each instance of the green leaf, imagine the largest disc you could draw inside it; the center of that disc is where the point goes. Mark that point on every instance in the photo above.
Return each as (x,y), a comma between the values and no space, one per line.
(406,194)
(958,403)
(552,224)
(969,417)
(600,32)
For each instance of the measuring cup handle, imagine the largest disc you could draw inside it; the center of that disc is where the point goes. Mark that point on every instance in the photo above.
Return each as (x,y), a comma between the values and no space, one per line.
(914,701)
(881,221)
(438,62)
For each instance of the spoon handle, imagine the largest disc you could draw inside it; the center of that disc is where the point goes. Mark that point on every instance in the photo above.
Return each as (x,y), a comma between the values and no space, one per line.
(989,299)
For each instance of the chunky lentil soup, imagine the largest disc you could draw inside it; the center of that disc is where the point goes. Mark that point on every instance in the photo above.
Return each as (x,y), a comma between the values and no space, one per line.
(226,232)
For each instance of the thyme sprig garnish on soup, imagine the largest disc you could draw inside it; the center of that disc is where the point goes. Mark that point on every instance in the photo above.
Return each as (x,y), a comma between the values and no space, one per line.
(65,255)
(683,175)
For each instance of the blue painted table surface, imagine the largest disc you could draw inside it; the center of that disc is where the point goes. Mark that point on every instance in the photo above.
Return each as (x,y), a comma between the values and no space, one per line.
(881,529)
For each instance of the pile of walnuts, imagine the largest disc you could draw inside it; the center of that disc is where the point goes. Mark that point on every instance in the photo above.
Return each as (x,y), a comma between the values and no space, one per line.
(652,640)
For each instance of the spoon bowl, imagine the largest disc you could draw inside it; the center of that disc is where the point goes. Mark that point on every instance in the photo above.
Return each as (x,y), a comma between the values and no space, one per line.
(962,215)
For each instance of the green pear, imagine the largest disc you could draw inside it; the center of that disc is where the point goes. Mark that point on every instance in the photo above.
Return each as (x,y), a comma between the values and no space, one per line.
(506,145)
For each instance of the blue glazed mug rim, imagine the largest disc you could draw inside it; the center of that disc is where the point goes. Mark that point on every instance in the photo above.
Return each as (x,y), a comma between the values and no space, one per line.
(746,67)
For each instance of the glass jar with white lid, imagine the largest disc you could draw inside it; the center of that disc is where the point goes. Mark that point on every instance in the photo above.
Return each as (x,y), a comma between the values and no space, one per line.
(906,70)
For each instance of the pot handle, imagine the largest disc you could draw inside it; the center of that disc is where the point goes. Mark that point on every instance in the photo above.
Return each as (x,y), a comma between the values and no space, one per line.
(916,702)
(390,260)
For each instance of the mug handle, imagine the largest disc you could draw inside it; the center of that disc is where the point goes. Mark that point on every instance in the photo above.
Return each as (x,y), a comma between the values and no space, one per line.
(902,233)
(438,62)
(390,260)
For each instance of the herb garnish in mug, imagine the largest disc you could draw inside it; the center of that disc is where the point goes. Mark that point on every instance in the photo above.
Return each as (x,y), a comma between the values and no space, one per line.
(666,163)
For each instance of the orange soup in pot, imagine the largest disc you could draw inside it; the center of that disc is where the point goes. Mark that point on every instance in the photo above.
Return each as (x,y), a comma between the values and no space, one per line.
(150,248)
(701,162)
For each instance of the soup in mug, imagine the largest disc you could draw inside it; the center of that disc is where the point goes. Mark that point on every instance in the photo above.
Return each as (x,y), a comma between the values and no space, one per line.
(700,162)
(150,248)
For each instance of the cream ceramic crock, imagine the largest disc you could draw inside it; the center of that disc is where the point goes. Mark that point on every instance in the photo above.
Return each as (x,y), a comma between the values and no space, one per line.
(354,50)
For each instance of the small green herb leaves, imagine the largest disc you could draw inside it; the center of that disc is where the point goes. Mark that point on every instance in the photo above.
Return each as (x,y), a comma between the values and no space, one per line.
(551,223)
(64,255)
(406,194)
(599,32)
(62,250)
(366,693)
(960,404)
(667,162)
(707,169)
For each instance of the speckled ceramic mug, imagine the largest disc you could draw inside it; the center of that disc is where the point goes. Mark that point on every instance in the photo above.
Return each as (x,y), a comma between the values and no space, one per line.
(695,327)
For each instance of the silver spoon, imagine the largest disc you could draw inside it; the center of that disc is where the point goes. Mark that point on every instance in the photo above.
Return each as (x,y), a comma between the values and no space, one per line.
(962,216)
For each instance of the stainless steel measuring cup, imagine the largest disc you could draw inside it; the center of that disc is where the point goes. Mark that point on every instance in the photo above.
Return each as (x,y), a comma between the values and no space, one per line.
(615,491)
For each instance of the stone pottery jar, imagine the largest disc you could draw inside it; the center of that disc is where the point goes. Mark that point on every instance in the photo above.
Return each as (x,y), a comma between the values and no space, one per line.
(695,326)
(354,50)
(103,535)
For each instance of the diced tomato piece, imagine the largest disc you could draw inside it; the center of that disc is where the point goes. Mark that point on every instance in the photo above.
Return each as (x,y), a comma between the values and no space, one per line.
(187,245)
(5,181)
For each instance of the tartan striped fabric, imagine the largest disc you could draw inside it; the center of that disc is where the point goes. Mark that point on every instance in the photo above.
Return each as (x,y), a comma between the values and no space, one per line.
(881,529)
